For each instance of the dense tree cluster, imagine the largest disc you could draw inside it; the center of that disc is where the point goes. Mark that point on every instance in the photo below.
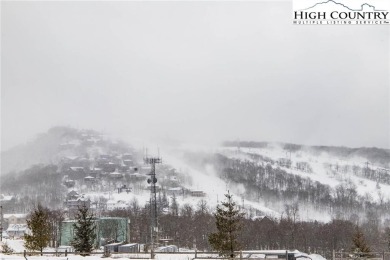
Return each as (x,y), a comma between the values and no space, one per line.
(39,183)
(190,227)
(193,225)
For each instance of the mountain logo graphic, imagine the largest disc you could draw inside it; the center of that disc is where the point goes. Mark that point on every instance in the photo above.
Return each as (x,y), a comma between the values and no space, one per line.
(328,12)
(342,5)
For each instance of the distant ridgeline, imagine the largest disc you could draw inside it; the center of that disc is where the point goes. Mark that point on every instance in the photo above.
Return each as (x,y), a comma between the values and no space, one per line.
(56,143)
(372,154)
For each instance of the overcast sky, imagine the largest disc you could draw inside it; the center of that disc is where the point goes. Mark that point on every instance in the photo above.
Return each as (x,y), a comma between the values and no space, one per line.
(192,71)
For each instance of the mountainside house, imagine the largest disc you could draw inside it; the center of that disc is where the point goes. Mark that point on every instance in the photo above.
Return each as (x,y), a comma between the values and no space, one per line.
(127,156)
(95,172)
(75,172)
(116,175)
(109,167)
(113,205)
(128,162)
(12,219)
(72,195)
(4,198)
(175,191)
(89,179)
(124,188)
(69,183)
(17,230)
(74,204)
(68,159)
(197,193)
(77,169)
(137,175)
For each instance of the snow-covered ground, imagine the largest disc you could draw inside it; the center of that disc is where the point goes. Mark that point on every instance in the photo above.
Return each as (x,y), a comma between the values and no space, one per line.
(126,257)
(18,247)
(213,186)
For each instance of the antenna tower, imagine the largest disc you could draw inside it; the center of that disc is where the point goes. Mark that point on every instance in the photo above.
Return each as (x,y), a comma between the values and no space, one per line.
(153,197)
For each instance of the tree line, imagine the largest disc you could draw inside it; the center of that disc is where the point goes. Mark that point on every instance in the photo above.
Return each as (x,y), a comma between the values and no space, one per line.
(201,228)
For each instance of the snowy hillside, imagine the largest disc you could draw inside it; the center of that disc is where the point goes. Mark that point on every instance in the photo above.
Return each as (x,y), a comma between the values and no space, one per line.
(326,169)
(266,179)
(347,181)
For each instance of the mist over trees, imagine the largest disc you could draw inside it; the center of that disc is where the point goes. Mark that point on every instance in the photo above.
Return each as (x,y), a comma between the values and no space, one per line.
(373,154)
(263,179)
(188,226)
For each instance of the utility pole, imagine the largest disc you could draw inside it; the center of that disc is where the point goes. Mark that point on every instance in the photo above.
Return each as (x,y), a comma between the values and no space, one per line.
(1,223)
(367,163)
(153,199)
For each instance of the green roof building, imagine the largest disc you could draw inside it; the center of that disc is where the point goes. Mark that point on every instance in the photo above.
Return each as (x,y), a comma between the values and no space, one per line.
(107,230)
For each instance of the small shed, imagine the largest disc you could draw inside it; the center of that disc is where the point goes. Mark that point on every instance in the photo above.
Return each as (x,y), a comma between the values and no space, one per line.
(175,191)
(170,248)
(89,179)
(116,175)
(129,248)
(113,247)
(197,193)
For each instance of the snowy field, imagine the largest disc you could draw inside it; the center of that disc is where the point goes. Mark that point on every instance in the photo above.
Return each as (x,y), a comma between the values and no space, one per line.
(188,256)
(117,257)
(18,247)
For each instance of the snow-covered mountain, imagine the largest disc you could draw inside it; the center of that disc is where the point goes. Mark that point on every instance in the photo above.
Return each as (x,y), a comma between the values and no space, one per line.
(323,182)
(265,178)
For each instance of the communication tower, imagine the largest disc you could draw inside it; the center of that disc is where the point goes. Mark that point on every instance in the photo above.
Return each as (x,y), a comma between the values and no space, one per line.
(152,161)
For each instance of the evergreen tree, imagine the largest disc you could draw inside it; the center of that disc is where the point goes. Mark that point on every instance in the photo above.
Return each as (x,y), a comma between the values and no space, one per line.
(359,243)
(84,230)
(40,228)
(228,219)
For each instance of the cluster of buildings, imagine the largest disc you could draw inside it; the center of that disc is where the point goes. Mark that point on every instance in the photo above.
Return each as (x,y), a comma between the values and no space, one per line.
(93,170)
(118,171)
(14,226)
